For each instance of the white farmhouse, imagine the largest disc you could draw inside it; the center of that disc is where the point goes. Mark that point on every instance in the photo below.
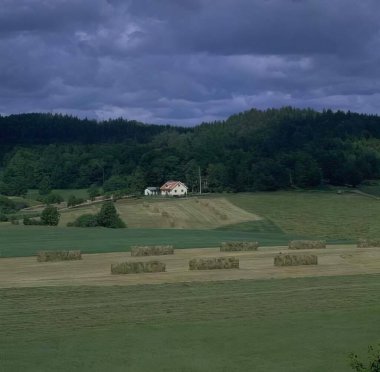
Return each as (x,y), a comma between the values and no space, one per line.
(151,191)
(174,188)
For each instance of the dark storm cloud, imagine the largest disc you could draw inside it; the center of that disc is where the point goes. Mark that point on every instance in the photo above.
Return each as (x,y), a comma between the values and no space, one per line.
(187,61)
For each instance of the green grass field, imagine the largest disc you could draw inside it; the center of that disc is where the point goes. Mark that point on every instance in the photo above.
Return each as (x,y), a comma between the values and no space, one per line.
(316,214)
(308,324)
(305,324)
(18,241)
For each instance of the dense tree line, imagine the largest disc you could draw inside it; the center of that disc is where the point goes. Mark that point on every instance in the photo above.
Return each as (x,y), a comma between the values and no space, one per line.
(254,150)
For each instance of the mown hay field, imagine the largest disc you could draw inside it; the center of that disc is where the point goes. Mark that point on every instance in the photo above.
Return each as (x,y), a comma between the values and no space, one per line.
(94,269)
(303,324)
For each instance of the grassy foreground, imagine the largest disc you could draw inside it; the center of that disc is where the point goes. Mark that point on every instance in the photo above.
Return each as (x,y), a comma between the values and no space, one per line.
(20,241)
(307,324)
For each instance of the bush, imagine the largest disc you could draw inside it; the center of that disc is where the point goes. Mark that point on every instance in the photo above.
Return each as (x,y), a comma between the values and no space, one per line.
(14,221)
(73,201)
(85,220)
(20,205)
(372,364)
(108,217)
(51,199)
(31,221)
(7,205)
(50,216)
(3,218)
(93,192)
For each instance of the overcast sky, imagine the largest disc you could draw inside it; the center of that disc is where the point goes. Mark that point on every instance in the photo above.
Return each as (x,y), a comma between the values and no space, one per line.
(187,61)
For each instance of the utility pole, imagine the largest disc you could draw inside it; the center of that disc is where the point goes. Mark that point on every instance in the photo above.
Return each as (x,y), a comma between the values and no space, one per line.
(200,180)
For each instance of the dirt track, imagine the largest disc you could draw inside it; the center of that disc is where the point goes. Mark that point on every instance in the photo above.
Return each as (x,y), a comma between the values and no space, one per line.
(94,269)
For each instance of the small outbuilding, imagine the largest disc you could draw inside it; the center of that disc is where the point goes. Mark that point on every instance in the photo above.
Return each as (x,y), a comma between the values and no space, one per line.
(174,188)
(152,191)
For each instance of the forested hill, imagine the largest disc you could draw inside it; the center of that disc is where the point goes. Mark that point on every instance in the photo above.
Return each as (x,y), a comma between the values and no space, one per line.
(254,150)
(34,129)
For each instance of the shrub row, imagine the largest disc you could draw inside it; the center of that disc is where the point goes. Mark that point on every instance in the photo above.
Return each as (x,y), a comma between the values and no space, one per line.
(107,217)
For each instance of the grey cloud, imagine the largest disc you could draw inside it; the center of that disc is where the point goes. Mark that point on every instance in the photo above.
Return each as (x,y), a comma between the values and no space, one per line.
(187,61)
(50,15)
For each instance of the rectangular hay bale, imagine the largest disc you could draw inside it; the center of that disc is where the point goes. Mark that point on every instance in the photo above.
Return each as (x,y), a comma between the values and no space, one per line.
(239,246)
(295,259)
(49,256)
(153,250)
(368,243)
(214,263)
(138,267)
(307,244)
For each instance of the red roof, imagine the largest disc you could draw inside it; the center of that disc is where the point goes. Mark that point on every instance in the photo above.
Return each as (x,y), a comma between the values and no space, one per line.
(170,185)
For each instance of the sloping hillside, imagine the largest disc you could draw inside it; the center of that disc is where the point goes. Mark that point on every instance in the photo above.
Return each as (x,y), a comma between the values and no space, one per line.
(204,213)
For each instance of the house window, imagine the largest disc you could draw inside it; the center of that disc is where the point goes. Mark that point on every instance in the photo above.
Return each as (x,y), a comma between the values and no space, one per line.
(175,190)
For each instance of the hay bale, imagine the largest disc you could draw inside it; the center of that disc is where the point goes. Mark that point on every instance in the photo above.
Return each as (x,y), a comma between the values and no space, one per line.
(138,267)
(239,246)
(49,256)
(153,250)
(307,244)
(368,243)
(295,259)
(214,263)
